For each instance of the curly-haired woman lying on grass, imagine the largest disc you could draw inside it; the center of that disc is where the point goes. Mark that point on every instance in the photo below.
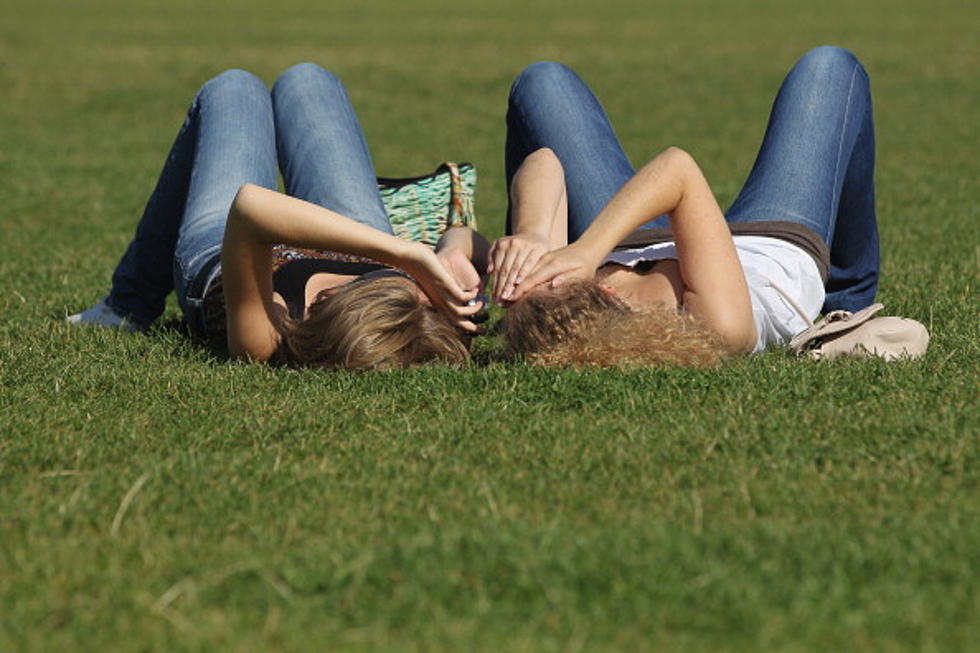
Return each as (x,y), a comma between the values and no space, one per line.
(314,277)
(694,284)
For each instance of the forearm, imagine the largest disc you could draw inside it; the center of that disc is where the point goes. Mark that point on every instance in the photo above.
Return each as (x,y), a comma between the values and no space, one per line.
(260,218)
(468,241)
(537,197)
(714,283)
(657,188)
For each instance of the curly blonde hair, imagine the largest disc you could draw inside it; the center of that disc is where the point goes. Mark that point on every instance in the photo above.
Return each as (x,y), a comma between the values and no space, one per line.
(371,325)
(581,324)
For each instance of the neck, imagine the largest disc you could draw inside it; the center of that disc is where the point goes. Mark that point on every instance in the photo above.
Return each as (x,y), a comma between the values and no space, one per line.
(659,285)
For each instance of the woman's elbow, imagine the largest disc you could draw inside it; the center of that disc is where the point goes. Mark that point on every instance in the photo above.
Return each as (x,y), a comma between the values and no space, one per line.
(544,157)
(679,159)
(542,166)
(739,338)
(247,209)
(673,165)
(736,331)
(245,198)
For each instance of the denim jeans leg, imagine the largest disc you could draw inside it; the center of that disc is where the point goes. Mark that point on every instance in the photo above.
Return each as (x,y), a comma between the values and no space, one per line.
(816,168)
(550,106)
(235,145)
(322,151)
(854,251)
(218,148)
(144,275)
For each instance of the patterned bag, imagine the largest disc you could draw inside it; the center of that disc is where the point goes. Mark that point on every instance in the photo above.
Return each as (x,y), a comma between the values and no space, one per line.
(422,208)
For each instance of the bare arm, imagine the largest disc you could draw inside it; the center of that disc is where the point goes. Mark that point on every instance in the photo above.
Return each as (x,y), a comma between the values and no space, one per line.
(714,283)
(260,218)
(539,220)
(538,201)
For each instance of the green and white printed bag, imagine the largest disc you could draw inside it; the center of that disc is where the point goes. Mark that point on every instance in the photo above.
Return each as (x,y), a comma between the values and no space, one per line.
(423,208)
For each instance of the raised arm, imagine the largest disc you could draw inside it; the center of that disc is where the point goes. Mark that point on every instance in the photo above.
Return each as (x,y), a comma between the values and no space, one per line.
(260,218)
(714,283)
(539,220)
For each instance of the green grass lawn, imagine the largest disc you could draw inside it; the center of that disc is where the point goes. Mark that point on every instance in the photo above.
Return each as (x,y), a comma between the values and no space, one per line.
(152,498)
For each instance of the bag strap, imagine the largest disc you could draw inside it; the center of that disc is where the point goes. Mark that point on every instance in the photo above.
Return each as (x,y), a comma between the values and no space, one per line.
(833,323)
(461,209)
(456,192)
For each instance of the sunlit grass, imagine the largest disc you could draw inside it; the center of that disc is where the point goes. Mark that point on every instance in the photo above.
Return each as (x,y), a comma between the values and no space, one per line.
(153,498)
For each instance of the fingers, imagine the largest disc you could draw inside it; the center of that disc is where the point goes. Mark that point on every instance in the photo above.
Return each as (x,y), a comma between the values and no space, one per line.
(545,270)
(459,314)
(519,291)
(539,273)
(506,272)
(448,287)
(437,281)
(506,256)
(492,256)
(467,309)
(552,273)
(452,303)
(498,251)
(560,280)
(516,272)
(511,258)
(469,327)
(497,267)
(461,268)
(496,261)
(498,287)
(469,279)
(436,278)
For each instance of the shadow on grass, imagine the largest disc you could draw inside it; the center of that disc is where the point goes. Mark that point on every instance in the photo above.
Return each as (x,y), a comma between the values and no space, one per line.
(487,350)
(176,330)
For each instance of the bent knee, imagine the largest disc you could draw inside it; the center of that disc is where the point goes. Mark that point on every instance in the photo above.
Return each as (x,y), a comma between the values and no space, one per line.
(542,76)
(830,57)
(233,80)
(306,73)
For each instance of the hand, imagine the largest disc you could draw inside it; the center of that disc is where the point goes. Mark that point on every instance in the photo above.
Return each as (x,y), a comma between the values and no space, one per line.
(440,286)
(459,265)
(558,267)
(511,258)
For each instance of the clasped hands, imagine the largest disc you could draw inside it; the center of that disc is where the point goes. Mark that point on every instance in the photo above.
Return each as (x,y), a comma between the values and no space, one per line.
(523,262)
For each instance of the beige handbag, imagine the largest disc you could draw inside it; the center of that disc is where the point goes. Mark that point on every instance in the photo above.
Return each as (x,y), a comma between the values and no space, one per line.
(842,333)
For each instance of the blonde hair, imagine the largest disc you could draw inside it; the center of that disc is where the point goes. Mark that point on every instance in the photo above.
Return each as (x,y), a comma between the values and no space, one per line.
(581,324)
(371,325)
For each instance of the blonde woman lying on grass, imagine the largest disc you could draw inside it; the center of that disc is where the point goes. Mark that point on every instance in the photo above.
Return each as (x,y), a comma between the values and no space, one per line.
(605,265)
(314,277)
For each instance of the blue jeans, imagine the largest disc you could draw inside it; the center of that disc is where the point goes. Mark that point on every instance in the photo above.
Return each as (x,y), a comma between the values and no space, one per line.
(233,132)
(815,166)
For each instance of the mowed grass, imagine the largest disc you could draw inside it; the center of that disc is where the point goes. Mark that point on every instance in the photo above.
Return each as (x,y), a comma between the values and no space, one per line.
(152,498)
